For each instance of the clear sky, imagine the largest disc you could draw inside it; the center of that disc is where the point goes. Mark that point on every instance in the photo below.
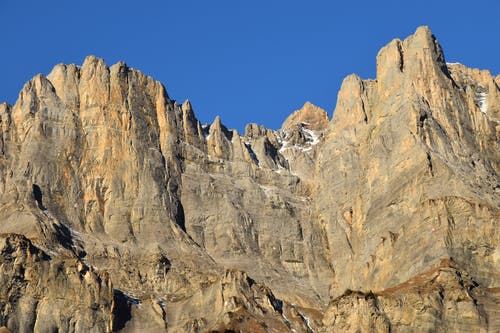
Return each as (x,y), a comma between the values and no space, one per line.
(247,61)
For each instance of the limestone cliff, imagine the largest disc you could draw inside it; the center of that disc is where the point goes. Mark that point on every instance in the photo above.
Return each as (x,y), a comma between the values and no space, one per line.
(119,211)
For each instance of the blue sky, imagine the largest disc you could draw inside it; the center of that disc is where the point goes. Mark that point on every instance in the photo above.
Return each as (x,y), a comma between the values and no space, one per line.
(247,61)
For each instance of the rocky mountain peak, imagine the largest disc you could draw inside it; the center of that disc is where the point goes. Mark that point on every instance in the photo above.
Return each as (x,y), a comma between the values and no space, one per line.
(382,219)
(416,63)
(312,116)
(186,106)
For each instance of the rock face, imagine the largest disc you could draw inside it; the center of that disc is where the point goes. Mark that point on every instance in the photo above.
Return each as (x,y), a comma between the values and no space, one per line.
(38,291)
(119,211)
(310,115)
(422,170)
(442,299)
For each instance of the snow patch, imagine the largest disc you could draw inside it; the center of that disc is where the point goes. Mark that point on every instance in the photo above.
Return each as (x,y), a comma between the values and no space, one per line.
(481,101)
(206,131)
(129,298)
(281,169)
(280,136)
(284,146)
(306,320)
(312,135)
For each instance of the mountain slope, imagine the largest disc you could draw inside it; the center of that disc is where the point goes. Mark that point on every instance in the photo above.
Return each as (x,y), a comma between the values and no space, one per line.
(382,219)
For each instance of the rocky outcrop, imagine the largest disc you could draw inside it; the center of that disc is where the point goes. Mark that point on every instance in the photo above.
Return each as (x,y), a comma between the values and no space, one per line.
(312,116)
(42,292)
(443,299)
(134,217)
(414,171)
(98,161)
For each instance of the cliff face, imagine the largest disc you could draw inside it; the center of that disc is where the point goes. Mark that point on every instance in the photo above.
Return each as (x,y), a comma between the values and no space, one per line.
(135,217)
(414,160)
(46,293)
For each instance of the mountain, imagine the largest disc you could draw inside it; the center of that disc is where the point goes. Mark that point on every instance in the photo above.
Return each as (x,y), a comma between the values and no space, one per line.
(120,211)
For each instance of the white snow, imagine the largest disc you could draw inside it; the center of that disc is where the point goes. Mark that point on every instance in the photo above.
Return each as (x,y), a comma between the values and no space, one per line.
(131,299)
(206,129)
(281,169)
(284,146)
(306,320)
(313,136)
(128,297)
(481,101)
(453,63)
(281,140)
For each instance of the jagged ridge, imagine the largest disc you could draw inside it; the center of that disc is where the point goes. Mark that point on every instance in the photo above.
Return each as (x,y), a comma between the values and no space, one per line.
(100,165)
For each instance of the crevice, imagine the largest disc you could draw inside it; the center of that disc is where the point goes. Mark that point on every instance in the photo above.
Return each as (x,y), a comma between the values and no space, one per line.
(429,164)
(422,117)
(401,57)
(121,309)
(252,153)
(349,243)
(38,196)
(365,116)
(181,218)
(276,303)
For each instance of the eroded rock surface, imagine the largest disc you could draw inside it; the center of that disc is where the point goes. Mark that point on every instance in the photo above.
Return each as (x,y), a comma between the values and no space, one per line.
(40,293)
(121,212)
